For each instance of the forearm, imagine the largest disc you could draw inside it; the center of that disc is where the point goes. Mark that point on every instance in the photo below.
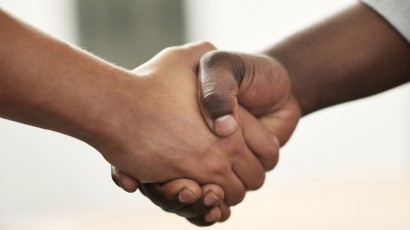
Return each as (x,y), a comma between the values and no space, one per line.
(349,56)
(50,84)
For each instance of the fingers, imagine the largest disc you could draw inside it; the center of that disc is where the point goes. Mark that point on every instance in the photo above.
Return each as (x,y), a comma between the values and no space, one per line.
(213,196)
(216,214)
(219,77)
(184,196)
(226,177)
(202,207)
(173,195)
(244,172)
(249,170)
(188,54)
(282,123)
(259,139)
(192,52)
(225,212)
(207,220)
(124,181)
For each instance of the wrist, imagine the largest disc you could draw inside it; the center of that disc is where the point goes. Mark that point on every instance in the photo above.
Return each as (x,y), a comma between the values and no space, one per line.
(52,85)
(299,95)
(302,95)
(285,77)
(105,108)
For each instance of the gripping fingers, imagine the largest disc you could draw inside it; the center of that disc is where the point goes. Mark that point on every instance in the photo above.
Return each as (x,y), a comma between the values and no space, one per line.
(173,195)
(264,144)
(203,211)
(216,214)
(212,196)
(249,170)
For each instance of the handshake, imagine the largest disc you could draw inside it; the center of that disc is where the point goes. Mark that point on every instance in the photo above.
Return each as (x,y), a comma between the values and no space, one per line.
(195,128)
(206,126)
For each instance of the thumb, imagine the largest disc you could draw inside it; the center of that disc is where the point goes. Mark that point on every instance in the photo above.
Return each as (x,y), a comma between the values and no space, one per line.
(219,74)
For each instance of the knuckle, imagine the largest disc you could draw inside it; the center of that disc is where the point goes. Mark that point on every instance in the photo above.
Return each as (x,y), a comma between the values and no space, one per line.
(169,50)
(204,46)
(232,148)
(235,148)
(225,215)
(273,147)
(182,51)
(257,182)
(208,45)
(215,189)
(216,167)
(238,198)
(271,160)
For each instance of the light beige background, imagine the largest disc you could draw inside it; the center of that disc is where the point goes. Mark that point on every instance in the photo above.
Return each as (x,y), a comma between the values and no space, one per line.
(347,167)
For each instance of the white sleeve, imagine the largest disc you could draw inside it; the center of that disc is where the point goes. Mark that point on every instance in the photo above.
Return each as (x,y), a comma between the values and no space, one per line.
(396,12)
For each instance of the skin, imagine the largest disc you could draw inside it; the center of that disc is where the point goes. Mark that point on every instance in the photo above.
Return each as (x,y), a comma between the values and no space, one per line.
(252,135)
(146,122)
(352,55)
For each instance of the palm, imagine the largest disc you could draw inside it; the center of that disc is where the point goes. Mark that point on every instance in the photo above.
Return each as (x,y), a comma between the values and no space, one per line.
(282,122)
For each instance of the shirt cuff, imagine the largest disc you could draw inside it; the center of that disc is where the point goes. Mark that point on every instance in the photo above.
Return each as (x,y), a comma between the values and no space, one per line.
(396,12)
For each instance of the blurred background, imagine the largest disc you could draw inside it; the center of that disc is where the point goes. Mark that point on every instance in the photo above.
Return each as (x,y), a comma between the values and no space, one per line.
(347,167)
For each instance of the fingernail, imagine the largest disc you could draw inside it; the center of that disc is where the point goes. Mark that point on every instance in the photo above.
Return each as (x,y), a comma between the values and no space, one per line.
(225,125)
(210,199)
(186,196)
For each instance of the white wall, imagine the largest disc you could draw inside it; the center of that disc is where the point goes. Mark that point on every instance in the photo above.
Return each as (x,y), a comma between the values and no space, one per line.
(345,168)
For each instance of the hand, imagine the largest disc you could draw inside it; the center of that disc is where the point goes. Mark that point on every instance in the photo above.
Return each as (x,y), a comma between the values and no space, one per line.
(168,195)
(203,209)
(259,83)
(201,205)
(168,139)
(186,198)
